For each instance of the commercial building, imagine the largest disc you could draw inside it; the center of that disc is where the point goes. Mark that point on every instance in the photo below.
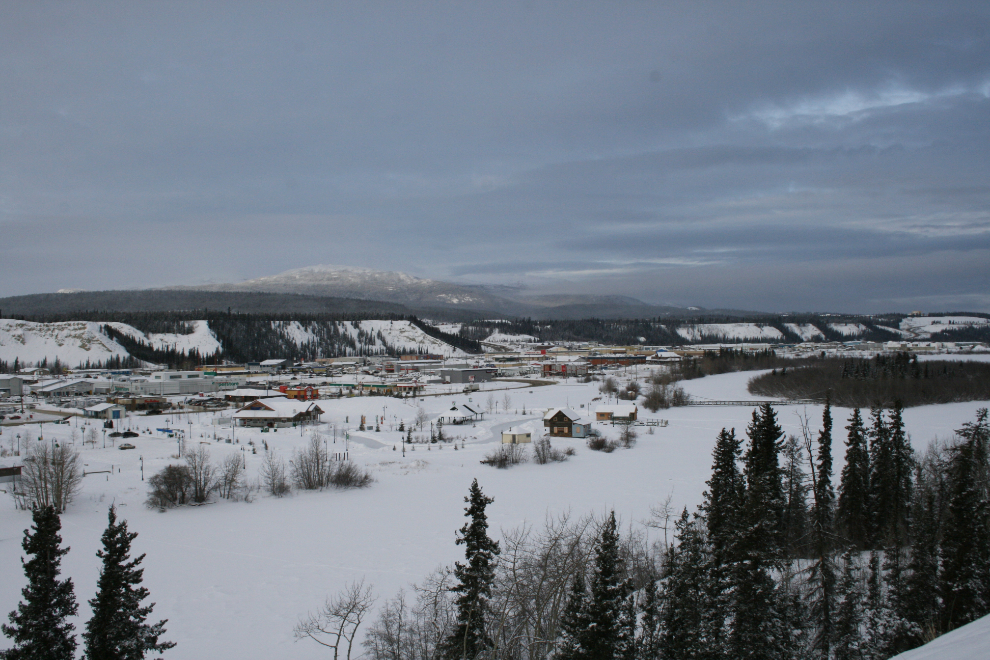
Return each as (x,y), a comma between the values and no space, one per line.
(168,383)
(466,375)
(278,412)
(11,386)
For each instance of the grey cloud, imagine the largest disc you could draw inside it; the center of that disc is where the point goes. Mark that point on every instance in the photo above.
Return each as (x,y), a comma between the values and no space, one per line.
(453,140)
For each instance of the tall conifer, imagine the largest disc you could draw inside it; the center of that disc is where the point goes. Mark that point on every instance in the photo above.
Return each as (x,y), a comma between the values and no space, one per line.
(853,510)
(117,629)
(38,626)
(475,578)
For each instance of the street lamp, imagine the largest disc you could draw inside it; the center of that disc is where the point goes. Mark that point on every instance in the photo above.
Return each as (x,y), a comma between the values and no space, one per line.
(18,445)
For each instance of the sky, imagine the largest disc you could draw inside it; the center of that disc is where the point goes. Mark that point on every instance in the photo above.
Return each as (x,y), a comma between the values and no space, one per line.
(779,156)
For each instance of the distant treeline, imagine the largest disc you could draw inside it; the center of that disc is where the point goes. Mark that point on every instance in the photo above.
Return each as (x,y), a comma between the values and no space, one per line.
(860,383)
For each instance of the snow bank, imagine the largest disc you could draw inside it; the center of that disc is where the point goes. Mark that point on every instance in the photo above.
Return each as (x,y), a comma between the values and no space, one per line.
(731,331)
(971,642)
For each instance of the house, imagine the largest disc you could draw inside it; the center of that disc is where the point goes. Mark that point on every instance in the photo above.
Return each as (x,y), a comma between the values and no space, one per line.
(616,413)
(511,437)
(561,421)
(461,415)
(106,411)
(277,412)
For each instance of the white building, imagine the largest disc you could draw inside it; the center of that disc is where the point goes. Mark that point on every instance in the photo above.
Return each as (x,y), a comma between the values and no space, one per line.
(168,383)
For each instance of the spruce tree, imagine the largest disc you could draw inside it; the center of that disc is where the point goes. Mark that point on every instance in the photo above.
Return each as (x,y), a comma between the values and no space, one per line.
(117,629)
(965,583)
(794,519)
(853,510)
(724,498)
(38,626)
(574,622)
(821,573)
(919,606)
(883,480)
(650,625)
(902,482)
(847,637)
(607,596)
(686,594)
(475,578)
(758,627)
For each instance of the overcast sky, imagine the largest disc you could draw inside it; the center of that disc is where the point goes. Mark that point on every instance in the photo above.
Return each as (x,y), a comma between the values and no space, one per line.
(782,156)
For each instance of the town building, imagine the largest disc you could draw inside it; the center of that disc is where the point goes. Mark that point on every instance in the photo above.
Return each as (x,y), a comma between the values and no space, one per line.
(278,412)
(516,438)
(560,421)
(616,413)
(466,375)
(106,411)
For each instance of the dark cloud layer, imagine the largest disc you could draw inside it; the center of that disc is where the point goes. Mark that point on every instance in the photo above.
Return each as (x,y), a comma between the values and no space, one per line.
(762,155)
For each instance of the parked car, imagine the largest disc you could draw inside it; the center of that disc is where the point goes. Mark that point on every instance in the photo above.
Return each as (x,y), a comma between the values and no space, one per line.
(126,445)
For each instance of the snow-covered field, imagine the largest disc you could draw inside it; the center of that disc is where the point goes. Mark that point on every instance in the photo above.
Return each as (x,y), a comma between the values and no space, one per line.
(754,331)
(970,642)
(403,335)
(233,577)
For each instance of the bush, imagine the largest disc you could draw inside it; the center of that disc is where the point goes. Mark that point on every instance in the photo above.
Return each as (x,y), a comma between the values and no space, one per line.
(665,396)
(344,474)
(311,466)
(230,478)
(51,476)
(543,453)
(202,473)
(505,455)
(170,487)
(601,443)
(627,436)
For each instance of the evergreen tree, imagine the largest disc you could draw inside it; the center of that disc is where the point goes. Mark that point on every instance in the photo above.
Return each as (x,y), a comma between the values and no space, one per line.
(650,625)
(687,597)
(724,498)
(117,630)
(965,583)
(903,469)
(821,573)
(38,626)
(847,638)
(475,578)
(853,511)
(607,596)
(794,519)
(758,628)
(919,607)
(574,623)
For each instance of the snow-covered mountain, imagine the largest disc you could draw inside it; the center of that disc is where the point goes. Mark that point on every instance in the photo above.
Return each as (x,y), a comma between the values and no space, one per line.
(367,284)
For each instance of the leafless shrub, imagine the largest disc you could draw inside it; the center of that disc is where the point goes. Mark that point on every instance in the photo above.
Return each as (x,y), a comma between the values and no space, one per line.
(336,623)
(504,456)
(273,474)
(202,472)
(230,479)
(603,444)
(544,453)
(609,386)
(170,487)
(345,474)
(51,476)
(627,436)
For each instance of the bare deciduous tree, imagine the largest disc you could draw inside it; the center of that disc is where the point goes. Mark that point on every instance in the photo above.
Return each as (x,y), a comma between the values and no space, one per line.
(229,477)
(273,474)
(490,403)
(421,417)
(202,472)
(336,623)
(506,402)
(311,465)
(51,476)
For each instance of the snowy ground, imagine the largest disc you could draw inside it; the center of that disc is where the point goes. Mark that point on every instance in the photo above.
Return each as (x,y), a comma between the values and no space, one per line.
(233,577)
(971,642)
